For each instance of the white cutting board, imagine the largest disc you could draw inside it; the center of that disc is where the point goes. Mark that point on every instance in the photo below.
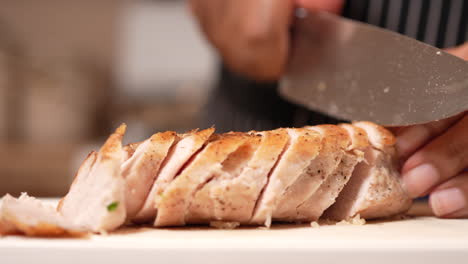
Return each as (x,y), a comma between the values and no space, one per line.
(421,239)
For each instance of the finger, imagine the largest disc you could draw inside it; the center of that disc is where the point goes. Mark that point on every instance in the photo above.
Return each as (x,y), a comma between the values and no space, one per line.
(450,200)
(443,158)
(333,6)
(460,51)
(206,12)
(412,138)
(258,40)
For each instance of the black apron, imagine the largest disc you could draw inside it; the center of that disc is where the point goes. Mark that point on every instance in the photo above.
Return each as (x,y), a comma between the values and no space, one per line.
(240,104)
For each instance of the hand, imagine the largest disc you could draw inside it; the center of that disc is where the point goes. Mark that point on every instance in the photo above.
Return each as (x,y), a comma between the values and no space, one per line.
(252,36)
(436,163)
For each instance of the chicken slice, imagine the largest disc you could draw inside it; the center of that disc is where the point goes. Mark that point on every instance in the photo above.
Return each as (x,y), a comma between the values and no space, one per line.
(333,143)
(142,168)
(29,216)
(176,198)
(96,200)
(206,206)
(178,156)
(129,149)
(303,147)
(329,190)
(374,190)
(235,198)
(6,227)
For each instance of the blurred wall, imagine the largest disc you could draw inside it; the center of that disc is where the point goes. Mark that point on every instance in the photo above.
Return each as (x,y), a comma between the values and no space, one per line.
(59,28)
(165,67)
(70,71)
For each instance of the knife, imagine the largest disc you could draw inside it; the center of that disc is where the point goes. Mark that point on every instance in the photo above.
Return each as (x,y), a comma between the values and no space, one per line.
(355,71)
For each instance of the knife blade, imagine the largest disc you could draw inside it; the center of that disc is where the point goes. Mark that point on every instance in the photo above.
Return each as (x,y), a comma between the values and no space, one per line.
(356,71)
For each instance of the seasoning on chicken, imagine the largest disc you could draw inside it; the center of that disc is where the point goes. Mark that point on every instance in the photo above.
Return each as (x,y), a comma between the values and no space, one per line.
(303,147)
(177,197)
(333,142)
(329,190)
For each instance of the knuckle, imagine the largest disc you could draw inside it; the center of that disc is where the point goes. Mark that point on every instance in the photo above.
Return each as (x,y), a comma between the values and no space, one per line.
(457,152)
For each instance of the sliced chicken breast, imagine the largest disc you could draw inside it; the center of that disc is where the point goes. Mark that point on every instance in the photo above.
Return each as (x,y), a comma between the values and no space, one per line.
(29,216)
(374,190)
(6,227)
(96,200)
(329,190)
(333,144)
(176,198)
(179,155)
(235,178)
(129,149)
(235,198)
(208,206)
(303,147)
(142,168)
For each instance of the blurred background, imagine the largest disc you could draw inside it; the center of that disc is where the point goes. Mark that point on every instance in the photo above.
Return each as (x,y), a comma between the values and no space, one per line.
(72,71)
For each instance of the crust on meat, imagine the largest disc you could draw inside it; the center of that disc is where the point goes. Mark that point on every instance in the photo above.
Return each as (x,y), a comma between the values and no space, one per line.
(6,227)
(339,135)
(379,137)
(359,138)
(113,144)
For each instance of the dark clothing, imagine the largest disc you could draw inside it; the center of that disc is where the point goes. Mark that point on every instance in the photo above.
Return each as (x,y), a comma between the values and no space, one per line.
(240,104)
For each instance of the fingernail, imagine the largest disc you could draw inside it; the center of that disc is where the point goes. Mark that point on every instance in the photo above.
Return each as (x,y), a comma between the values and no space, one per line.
(448,201)
(409,140)
(420,179)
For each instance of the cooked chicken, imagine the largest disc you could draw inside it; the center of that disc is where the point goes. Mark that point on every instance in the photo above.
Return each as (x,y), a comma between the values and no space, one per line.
(6,227)
(207,204)
(178,156)
(375,189)
(329,190)
(288,174)
(236,194)
(32,217)
(303,147)
(176,198)
(96,200)
(333,143)
(130,149)
(141,169)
